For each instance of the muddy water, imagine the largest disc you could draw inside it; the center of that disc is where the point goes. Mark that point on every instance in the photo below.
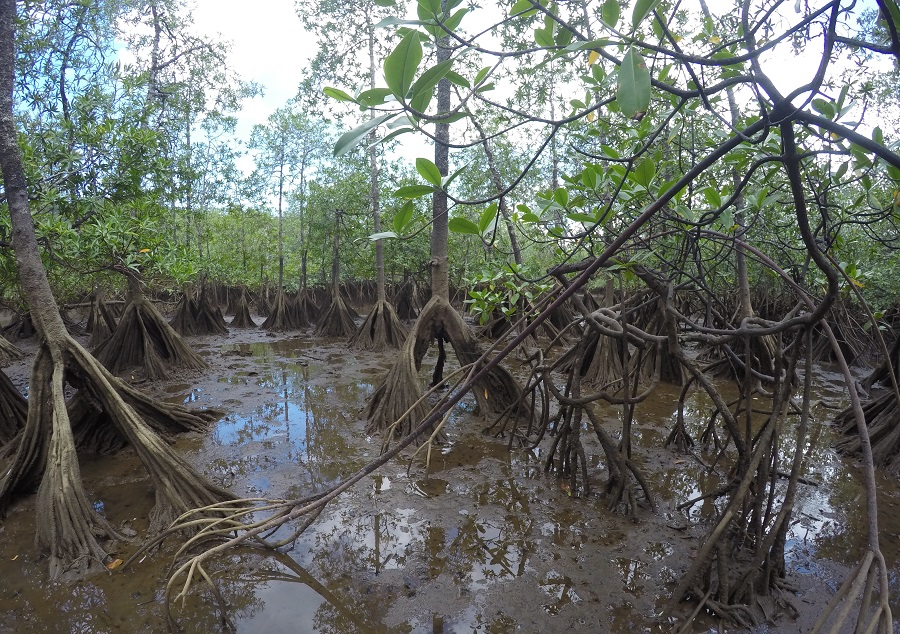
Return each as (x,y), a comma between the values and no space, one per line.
(484,541)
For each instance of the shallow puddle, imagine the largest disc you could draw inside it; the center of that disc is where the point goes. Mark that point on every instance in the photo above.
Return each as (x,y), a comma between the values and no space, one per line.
(483,541)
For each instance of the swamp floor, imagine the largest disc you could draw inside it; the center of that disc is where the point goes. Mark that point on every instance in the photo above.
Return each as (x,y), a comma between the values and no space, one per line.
(483,541)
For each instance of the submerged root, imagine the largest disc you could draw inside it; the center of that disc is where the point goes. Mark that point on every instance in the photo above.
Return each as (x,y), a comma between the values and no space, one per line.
(381,330)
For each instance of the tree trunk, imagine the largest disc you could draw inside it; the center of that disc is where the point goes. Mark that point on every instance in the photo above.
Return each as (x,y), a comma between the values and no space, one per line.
(67,525)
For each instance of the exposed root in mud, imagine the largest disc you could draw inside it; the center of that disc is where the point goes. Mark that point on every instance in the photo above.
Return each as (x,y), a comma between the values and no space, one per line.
(741,562)
(304,309)
(279,318)
(9,352)
(566,451)
(208,316)
(200,316)
(406,300)
(143,339)
(20,328)
(381,329)
(13,410)
(336,319)
(67,526)
(882,416)
(101,322)
(242,317)
(183,321)
(396,397)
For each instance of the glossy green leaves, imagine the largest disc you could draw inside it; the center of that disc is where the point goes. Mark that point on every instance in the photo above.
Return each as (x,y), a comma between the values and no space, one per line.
(401,65)
(642,8)
(633,90)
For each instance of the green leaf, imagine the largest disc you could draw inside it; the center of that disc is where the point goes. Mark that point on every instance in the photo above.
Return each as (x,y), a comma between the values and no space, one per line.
(449,179)
(841,170)
(428,171)
(337,93)
(373,97)
(727,219)
(401,65)
(479,77)
(414,191)
(610,151)
(396,133)
(593,44)
(453,118)
(665,187)
(610,12)
(523,8)
(644,172)
(453,22)
(423,88)
(395,21)
(463,225)
(544,37)
(893,10)
(642,8)
(713,197)
(403,216)
(824,107)
(580,217)
(633,91)
(589,178)
(561,196)
(385,3)
(878,135)
(428,9)
(487,218)
(375,237)
(351,139)
(458,79)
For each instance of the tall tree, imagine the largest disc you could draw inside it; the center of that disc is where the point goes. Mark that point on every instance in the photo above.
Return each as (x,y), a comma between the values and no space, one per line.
(68,527)
(382,328)
(397,400)
(285,151)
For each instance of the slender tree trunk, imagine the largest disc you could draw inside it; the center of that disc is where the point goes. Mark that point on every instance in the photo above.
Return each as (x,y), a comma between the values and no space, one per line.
(335,252)
(280,217)
(498,185)
(373,176)
(440,232)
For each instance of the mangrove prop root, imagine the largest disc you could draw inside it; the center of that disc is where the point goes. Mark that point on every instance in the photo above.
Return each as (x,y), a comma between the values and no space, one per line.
(143,339)
(381,330)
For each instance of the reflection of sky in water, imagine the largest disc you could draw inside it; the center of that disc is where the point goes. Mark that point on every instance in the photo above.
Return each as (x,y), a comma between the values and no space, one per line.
(828,519)
(479,551)
(305,415)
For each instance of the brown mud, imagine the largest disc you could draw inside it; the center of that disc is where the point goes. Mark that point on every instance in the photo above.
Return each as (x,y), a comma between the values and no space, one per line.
(485,541)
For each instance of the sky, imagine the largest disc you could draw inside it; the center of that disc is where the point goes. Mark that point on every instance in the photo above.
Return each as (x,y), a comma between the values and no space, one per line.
(269,46)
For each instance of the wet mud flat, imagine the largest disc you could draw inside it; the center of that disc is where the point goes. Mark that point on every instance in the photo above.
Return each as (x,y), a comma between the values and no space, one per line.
(483,541)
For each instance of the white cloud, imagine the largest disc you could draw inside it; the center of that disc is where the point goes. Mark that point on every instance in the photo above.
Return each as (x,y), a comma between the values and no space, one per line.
(269,46)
